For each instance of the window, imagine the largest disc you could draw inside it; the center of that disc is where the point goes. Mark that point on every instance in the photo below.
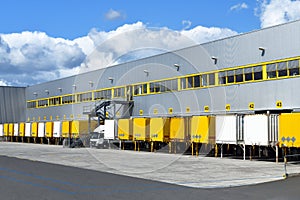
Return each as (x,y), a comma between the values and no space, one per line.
(68,99)
(248,74)
(239,75)
(293,66)
(145,89)
(204,80)
(222,78)
(174,84)
(137,90)
(140,89)
(163,86)
(197,81)
(183,83)
(211,79)
(257,73)
(55,101)
(171,85)
(102,94)
(168,86)
(84,97)
(119,92)
(190,82)
(154,87)
(271,70)
(282,69)
(31,104)
(43,103)
(230,76)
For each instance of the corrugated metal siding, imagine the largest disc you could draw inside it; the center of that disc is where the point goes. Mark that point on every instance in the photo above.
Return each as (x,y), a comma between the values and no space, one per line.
(12,104)
(279,42)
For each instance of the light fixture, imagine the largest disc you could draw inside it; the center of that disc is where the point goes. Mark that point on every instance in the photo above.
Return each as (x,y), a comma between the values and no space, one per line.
(111,79)
(215,59)
(35,94)
(60,89)
(263,50)
(146,72)
(47,91)
(177,66)
(91,83)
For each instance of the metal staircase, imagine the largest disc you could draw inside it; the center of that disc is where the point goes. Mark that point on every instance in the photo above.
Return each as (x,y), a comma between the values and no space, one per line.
(101,111)
(109,109)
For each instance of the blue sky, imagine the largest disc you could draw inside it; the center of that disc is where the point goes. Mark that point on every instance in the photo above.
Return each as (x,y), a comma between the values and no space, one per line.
(50,39)
(75,18)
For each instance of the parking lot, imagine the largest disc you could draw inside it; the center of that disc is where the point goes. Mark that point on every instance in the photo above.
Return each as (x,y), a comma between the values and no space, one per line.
(191,171)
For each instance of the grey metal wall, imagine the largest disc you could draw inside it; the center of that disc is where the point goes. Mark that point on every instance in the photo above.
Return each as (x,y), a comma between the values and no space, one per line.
(279,42)
(159,67)
(12,104)
(264,95)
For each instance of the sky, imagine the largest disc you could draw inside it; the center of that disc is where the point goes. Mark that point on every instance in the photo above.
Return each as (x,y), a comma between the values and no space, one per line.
(50,39)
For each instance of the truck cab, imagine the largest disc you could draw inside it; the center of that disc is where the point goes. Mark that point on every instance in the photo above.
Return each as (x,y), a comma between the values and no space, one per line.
(97,139)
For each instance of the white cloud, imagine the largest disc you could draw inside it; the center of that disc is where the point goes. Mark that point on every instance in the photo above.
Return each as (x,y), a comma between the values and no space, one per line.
(187,24)
(204,34)
(239,6)
(27,55)
(32,57)
(140,41)
(129,39)
(278,11)
(113,15)
(3,83)
(86,44)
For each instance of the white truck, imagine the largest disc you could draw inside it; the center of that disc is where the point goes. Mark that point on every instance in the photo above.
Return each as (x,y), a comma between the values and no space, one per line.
(102,135)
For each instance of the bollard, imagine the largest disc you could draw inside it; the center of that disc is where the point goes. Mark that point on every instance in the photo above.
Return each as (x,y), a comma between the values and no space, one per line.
(221,150)
(151,146)
(216,150)
(192,148)
(276,153)
(285,175)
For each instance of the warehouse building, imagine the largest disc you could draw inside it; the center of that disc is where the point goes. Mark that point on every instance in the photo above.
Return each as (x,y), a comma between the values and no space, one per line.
(238,91)
(12,104)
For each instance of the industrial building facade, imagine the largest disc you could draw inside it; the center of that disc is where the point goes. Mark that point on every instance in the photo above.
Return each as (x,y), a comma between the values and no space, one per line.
(238,90)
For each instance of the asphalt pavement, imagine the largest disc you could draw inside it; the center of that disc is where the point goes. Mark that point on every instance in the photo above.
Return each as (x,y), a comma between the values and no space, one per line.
(190,171)
(33,180)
